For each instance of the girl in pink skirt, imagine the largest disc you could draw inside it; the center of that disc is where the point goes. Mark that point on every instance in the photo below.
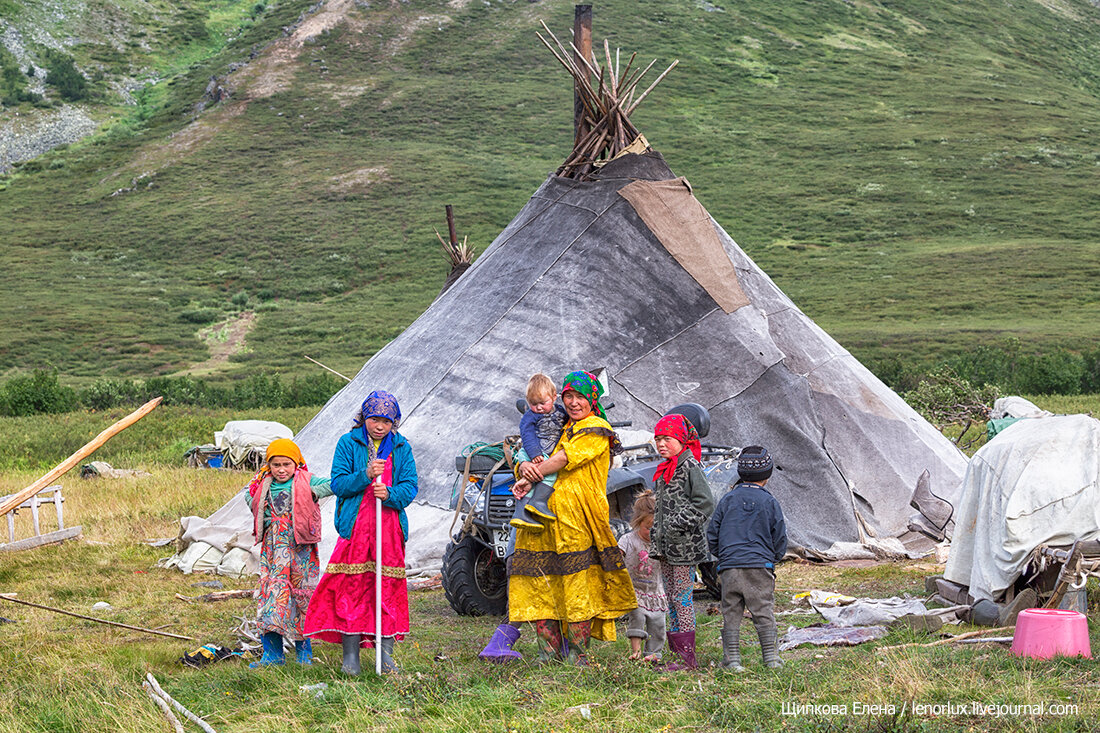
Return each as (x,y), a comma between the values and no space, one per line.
(342,609)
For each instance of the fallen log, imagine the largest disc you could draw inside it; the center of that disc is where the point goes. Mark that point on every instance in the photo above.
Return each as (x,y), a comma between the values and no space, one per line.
(9,597)
(221,595)
(80,455)
(160,703)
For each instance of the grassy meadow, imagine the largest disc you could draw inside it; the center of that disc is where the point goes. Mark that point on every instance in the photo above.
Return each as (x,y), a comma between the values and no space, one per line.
(67,674)
(919,178)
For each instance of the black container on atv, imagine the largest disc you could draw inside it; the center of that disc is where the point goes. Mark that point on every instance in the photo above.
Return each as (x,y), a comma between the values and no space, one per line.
(475,580)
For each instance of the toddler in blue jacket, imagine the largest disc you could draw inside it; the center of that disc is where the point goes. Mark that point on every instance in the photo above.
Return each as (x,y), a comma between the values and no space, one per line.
(748,535)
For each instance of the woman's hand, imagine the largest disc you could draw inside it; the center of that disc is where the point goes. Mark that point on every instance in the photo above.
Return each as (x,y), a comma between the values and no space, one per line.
(375,468)
(520,488)
(381,491)
(530,471)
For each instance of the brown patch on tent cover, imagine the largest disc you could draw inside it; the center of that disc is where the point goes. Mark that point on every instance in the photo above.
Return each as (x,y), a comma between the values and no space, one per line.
(685,229)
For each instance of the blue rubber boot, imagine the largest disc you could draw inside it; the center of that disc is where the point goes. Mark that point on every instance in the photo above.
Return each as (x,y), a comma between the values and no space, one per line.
(273,650)
(305,651)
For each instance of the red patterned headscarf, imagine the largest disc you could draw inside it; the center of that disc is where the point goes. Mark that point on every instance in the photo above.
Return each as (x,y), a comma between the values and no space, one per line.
(680,428)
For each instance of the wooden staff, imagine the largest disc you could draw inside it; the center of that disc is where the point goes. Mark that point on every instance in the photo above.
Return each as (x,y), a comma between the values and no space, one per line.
(9,597)
(378,580)
(80,455)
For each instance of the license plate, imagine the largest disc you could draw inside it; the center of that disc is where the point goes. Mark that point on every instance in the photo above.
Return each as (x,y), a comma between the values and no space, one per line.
(500,542)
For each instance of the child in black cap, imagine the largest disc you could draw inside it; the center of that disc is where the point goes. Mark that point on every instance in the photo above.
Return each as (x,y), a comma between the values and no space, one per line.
(748,535)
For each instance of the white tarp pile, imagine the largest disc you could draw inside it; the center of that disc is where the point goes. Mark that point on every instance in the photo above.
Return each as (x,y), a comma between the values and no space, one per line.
(239,438)
(1037,482)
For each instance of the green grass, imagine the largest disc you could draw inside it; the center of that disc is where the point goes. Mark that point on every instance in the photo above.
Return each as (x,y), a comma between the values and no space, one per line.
(66,674)
(918,178)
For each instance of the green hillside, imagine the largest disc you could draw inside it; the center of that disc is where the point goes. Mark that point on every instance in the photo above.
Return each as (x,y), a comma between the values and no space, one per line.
(919,177)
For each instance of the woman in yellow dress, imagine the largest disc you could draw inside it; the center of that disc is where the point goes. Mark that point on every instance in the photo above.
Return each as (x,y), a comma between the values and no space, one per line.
(569,579)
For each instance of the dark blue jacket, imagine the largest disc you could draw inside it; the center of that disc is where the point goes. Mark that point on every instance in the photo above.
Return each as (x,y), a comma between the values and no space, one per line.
(349,479)
(747,530)
(540,433)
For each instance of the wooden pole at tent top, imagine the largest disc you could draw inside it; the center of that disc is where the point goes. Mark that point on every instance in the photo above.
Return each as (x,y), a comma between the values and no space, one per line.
(80,455)
(451,225)
(582,41)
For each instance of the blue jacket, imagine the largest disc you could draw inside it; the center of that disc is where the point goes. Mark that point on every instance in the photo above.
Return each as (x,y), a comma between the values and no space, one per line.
(349,479)
(747,529)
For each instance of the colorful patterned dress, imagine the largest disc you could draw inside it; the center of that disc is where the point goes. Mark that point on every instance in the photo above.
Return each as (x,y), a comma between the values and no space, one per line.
(573,571)
(288,571)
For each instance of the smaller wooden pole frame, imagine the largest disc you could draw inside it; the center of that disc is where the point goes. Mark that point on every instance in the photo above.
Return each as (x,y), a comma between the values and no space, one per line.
(582,44)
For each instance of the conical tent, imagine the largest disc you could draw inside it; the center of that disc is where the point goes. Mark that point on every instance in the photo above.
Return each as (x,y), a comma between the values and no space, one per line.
(627,271)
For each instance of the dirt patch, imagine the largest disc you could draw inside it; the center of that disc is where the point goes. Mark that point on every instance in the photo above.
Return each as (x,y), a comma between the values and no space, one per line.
(357,181)
(223,339)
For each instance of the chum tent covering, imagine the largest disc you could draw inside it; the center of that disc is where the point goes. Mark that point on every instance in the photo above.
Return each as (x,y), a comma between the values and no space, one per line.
(1035,483)
(628,272)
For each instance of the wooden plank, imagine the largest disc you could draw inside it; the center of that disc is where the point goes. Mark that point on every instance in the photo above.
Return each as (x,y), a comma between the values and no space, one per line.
(49,538)
(80,455)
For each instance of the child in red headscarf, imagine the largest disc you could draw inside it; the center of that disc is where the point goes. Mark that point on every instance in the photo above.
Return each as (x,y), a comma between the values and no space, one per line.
(684,505)
(283,497)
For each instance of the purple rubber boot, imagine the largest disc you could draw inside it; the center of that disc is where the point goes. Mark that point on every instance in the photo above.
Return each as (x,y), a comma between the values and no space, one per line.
(499,649)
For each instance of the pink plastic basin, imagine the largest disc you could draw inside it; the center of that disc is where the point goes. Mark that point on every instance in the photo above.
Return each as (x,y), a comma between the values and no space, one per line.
(1042,633)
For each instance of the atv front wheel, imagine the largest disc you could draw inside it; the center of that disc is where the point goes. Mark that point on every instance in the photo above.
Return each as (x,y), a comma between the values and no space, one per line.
(474,580)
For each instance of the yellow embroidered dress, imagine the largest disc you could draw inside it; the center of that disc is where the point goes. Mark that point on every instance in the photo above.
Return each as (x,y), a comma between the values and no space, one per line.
(573,570)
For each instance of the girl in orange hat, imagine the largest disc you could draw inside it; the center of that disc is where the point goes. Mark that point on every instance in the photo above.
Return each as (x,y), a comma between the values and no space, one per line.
(287,521)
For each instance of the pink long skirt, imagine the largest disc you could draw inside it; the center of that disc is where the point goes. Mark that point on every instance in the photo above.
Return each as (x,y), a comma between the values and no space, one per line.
(344,600)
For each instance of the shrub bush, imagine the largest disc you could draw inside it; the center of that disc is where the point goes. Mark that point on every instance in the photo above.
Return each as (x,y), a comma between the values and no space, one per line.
(201,316)
(35,394)
(62,75)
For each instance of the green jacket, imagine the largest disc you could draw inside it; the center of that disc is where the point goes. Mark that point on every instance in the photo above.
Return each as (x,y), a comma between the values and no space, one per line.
(684,507)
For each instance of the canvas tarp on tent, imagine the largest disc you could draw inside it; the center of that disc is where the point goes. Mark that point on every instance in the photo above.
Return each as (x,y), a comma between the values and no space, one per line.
(630,273)
(599,273)
(1037,482)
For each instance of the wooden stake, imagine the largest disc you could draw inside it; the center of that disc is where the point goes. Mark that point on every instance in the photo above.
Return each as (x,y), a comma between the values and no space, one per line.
(327,369)
(968,635)
(79,456)
(152,681)
(9,597)
(451,224)
(160,703)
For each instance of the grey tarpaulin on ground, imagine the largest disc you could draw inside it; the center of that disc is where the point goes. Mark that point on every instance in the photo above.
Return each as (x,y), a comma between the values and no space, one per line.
(578,280)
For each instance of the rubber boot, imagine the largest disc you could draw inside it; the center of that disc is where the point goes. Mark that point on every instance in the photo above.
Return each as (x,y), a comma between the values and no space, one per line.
(499,648)
(551,643)
(350,643)
(273,650)
(575,642)
(683,644)
(304,651)
(388,665)
(769,646)
(540,495)
(522,520)
(731,649)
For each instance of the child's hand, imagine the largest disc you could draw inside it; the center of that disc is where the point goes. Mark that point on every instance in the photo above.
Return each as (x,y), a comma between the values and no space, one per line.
(520,488)
(375,469)
(381,491)
(538,459)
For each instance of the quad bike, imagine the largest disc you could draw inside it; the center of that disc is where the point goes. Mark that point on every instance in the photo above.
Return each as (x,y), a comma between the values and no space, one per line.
(475,579)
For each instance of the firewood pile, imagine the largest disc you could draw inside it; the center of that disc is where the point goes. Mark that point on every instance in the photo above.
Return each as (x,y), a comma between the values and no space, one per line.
(607,93)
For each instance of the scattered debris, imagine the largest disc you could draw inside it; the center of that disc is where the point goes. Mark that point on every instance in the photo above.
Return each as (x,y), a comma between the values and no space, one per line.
(215,584)
(317,690)
(101,469)
(208,653)
(101,606)
(830,635)
(9,597)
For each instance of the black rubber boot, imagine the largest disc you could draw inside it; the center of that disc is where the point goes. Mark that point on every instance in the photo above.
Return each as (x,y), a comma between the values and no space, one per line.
(769,646)
(351,666)
(388,665)
(731,649)
(540,495)
(522,520)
